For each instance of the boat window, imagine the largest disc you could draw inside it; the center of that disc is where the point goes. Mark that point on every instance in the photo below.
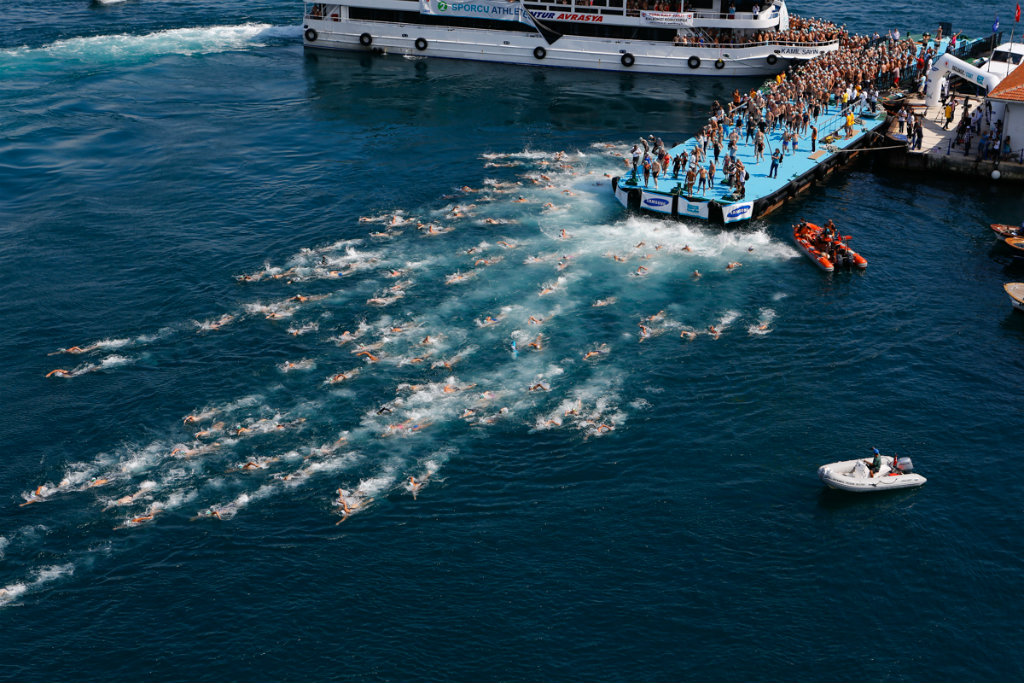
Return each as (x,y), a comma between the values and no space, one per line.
(1006,57)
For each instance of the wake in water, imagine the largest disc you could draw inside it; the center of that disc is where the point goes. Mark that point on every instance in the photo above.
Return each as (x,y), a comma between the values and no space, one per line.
(123,49)
(392,385)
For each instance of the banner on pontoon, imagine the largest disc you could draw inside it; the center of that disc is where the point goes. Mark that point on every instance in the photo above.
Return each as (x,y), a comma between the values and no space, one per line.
(693,209)
(500,10)
(667,18)
(731,213)
(656,202)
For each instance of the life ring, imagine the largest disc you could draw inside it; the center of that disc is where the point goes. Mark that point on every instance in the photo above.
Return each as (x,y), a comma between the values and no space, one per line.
(628,60)
(366,40)
(311,35)
(421,44)
(694,62)
(772,59)
(539,52)
(719,63)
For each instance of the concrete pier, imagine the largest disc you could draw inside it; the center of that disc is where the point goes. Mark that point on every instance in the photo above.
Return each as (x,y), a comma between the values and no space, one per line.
(939,156)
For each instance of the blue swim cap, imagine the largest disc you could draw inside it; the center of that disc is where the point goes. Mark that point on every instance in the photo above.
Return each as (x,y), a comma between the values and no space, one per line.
(876,451)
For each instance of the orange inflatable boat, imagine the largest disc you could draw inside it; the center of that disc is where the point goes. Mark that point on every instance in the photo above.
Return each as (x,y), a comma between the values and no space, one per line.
(826,247)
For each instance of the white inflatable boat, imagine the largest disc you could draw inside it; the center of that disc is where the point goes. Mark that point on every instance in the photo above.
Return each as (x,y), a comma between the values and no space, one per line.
(855,475)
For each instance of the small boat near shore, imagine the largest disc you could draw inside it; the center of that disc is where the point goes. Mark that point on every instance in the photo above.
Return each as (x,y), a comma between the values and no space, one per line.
(856,475)
(1015,290)
(826,248)
(1004,231)
(1015,242)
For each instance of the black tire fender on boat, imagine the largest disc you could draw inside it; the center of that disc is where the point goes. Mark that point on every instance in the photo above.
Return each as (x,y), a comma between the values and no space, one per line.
(628,60)
(694,62)
(311,35)
(539,52)
(719,63)
(772,59)
(421,44)
(366,40)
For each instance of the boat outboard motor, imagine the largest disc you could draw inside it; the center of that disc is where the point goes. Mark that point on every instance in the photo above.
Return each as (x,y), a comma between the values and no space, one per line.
(905,465)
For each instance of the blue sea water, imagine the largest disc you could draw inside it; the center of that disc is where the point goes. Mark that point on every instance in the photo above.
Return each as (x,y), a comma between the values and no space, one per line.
(154,152)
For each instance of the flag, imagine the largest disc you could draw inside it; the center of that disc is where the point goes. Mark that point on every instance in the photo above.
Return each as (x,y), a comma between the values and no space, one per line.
(1016,17)
(995,25)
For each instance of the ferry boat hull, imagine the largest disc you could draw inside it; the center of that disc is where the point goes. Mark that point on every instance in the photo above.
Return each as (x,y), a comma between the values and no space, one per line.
(530,49)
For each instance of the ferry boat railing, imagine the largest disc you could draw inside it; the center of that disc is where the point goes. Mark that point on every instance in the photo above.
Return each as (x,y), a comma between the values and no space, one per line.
(761,43)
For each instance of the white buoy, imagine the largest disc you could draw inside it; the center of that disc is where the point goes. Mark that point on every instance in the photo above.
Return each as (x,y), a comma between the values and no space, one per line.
(995,174)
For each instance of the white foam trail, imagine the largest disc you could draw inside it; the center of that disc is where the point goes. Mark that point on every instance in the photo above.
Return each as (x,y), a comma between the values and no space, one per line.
(763,324)
(126,48)
(40,577)
(304,364)
(107,363)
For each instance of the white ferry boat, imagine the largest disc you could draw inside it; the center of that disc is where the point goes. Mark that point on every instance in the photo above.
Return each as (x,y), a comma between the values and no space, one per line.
(702,37)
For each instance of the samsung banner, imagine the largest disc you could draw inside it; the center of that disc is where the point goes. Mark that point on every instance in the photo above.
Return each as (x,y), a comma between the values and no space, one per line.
(731,213)
(656,202)
(500,10)
(667,18)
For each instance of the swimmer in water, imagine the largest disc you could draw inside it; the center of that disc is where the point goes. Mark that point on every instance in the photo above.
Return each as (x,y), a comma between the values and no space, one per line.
(536,343)
(540,386)
(575,410)
(620,259)
(714,331)
(604,302)
(141,519)
(733,265)
(97,481)
(37,496)
(686,247)
(76,349)
(59,373)
(211,511)
(534,320)
(372,358)
(696,275)
(508,245)
(342,376)
(415,486)
(645,332)
(689,335)
(564,235)
(641,270)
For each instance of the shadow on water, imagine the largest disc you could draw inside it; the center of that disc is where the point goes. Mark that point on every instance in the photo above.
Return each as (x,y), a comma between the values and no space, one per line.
(444,91)
(834,501)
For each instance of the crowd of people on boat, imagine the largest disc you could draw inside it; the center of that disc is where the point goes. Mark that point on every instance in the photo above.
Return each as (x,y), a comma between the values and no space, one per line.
(827,240)
(799,31)
(862,63)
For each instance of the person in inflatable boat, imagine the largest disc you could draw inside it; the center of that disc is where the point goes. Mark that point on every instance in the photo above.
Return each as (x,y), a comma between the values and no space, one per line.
(876,462)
